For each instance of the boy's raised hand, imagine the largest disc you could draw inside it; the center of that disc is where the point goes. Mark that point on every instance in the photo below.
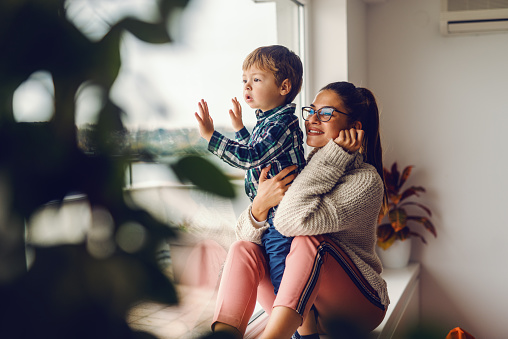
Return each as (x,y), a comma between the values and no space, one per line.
(236,115)
(205,121)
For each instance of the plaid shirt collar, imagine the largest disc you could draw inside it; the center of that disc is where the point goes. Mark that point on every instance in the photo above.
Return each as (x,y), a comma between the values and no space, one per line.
(289,108)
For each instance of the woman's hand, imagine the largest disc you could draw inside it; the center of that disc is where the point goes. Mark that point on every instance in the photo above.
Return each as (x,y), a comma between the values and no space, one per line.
(350,140)
(271,191)
(236,115)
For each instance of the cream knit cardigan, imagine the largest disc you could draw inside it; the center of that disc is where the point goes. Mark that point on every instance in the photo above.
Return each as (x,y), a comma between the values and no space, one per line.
(336,194)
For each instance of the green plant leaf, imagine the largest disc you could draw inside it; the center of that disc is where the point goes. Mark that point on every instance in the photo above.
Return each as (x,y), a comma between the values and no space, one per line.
(398,218)
(203,174)
(148,32)
(425,222)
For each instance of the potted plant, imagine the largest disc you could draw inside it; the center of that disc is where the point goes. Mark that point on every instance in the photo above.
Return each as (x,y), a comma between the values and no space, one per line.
(394,221)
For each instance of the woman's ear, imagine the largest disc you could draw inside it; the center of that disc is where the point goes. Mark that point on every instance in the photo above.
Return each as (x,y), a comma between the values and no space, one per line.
(357,124)
(285,87)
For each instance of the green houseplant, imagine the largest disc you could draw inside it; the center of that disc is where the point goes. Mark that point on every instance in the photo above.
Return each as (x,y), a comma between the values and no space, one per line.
(394,221)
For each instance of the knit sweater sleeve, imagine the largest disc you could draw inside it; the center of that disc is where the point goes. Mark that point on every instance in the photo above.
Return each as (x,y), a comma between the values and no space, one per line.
(335,192)
(246,229)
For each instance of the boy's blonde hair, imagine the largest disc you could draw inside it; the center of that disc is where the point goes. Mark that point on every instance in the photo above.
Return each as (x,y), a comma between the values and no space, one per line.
(283,63)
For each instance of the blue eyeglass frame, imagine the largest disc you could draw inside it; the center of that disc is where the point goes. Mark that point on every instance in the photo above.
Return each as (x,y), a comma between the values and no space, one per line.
(320,116)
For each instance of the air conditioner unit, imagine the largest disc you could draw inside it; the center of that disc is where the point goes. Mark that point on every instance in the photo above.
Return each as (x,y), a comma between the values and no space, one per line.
(473,16)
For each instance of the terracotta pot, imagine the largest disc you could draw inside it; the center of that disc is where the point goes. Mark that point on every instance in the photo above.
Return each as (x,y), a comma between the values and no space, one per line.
(397,255)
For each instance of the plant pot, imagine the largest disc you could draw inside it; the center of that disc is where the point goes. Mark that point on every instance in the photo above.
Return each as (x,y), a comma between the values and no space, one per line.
(397,255)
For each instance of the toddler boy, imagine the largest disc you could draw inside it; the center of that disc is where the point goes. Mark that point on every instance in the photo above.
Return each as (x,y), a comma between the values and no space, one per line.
(272,78)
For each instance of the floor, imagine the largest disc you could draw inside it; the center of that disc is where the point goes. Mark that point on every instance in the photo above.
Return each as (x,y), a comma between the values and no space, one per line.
(191,319)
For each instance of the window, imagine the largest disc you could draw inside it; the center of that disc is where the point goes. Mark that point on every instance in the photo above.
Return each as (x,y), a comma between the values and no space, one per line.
(159,86)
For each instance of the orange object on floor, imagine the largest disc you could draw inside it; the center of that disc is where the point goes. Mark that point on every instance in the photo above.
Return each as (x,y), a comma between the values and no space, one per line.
(459,333)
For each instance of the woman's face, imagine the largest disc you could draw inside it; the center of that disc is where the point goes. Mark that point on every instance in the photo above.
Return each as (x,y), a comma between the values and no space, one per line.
(318,132)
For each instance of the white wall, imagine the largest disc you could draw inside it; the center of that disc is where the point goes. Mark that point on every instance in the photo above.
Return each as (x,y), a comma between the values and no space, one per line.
(445,110)
(337,43)
(326,46)
(356,43)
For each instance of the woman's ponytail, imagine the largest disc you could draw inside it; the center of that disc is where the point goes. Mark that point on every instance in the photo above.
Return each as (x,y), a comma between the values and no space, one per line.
(370,122)
(372,152)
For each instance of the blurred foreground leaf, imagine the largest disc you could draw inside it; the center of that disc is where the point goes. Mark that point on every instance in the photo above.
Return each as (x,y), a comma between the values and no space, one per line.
(204,175)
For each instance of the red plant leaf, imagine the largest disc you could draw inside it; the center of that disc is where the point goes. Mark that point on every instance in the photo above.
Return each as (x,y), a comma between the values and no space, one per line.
(381,215)
(413,190)
(391,188)
(398,219)
(405,174)
(418,235)
(384,232)
(395,176)
(425,222)
(395,198)
(403,234)
(384,244)
(425,208)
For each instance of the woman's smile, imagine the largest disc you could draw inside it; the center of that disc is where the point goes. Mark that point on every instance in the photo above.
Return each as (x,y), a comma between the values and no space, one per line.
(314,131)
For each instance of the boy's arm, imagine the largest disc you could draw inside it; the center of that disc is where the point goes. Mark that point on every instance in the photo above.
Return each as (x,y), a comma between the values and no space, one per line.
(205,121)
(268,146)
(242,136)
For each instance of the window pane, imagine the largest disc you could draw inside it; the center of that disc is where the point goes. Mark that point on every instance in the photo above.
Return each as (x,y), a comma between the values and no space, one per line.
(160,85)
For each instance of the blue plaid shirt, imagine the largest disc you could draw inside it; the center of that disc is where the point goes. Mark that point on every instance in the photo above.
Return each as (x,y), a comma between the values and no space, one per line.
(276,139)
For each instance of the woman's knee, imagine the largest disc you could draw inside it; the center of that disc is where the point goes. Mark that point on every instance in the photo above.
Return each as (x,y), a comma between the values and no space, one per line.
(244,246)
(247,251)
(310,242)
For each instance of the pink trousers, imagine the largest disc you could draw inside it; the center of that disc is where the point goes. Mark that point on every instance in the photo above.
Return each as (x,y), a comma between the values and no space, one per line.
(318,273)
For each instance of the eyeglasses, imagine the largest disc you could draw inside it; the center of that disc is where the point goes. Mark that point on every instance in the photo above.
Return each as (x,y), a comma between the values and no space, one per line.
(323,114)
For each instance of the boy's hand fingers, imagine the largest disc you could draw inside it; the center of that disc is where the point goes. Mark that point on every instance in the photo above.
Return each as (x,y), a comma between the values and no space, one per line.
(201,109)
(237,109)
(198,118)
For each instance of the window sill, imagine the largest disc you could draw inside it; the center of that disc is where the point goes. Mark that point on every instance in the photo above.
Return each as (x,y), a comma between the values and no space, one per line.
(403,311)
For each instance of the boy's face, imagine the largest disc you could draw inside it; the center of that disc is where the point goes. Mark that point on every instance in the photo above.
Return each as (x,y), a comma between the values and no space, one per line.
(260,90)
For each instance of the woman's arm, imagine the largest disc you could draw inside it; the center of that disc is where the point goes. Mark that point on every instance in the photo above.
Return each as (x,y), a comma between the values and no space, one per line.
(270,193)
(334,191)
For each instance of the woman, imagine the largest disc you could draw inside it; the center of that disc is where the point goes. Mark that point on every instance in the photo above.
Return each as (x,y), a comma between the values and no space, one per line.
(332,271)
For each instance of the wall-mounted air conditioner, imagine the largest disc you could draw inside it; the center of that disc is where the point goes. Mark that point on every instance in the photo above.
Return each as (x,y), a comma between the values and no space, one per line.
(473,16)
